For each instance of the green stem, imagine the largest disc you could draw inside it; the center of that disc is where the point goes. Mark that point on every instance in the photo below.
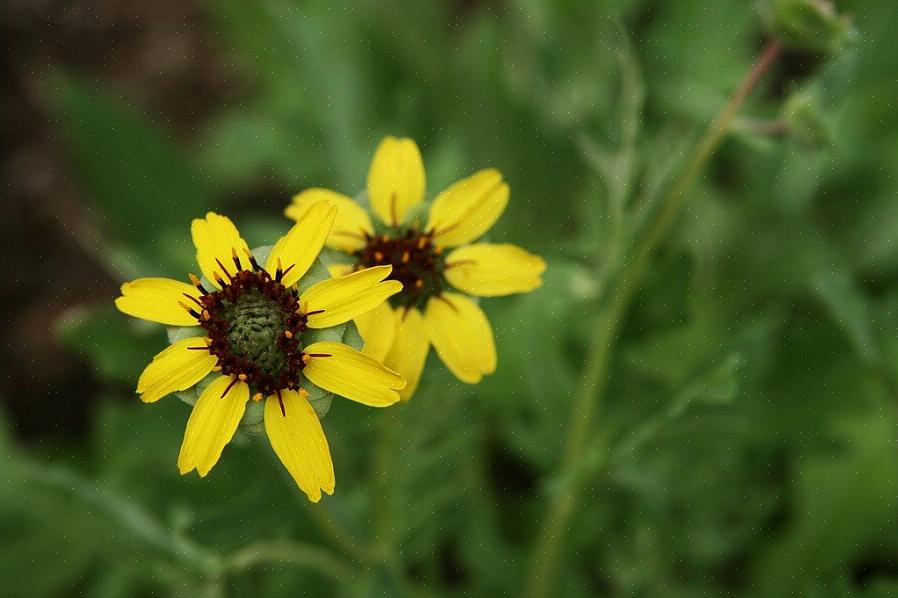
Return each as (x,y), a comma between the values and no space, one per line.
(340,537)
(305,555)
(386,447)
(590,394)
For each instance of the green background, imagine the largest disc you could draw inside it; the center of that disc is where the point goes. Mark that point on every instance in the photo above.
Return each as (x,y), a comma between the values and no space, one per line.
(746,442)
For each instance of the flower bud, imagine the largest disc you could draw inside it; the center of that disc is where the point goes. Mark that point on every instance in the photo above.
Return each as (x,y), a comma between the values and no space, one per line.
(804,119)
(810,25)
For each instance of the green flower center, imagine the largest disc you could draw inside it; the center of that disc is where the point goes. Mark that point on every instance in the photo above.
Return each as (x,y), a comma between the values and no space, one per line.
(254,328)
(255,325)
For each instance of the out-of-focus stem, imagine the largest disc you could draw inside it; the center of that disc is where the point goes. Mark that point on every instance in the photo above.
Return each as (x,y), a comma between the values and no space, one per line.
(563,502)
(305,555)
(386,446)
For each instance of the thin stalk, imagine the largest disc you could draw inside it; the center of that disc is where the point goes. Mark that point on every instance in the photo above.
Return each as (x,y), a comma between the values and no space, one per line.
(304,555)
(590,394)
(336,533)
(386,447)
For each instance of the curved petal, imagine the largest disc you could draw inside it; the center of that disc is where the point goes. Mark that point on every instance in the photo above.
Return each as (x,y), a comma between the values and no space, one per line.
(177,368)
(408,353)
(351,224)
(492,270)
(344,371)
(466,210)
(212,424)
(156,300)
(340,299)
(396,179)
(462,336)
(299,442)
(296,251)
(377,328)
(217,240)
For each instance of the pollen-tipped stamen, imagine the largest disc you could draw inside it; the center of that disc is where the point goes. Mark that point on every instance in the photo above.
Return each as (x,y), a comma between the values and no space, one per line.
(199,285)
(233,382)
(252,260)
(225,270)
(190,310)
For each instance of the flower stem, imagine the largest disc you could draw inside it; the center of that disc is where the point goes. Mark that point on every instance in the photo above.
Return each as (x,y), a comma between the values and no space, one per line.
(386,446)
(563,503)
(304,555)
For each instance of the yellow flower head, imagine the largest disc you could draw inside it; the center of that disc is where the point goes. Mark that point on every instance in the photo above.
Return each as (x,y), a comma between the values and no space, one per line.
(427,312)
(249,324)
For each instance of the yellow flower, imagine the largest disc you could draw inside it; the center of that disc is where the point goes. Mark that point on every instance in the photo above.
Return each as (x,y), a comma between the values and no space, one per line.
(250,322)
(399,332)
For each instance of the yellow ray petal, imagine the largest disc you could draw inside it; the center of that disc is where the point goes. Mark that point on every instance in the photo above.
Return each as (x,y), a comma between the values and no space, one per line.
(216,238)
(338,270)
(344,371)
(297,250)
(176,368)
(492,270)
(466,210)
(351,224)
(462,336)
(340,299)
(212,424)
(395,179)
(299,442)
(377,328)
(156,300)
(408,353)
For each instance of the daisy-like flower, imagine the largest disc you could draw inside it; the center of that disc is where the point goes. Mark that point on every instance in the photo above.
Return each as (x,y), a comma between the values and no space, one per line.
(399,332)
(250,324)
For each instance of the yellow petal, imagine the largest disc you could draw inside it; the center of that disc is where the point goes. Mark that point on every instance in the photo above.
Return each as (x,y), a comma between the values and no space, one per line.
(156,300)
(338,270)
(297,250)
(395,179)
(351,224)
(492,270)
(299,442)
(408,353)
(344,371)
(340,299)
(466,210)
(216,238)
(176,368)
(462,336)
(377,328)
(212,424)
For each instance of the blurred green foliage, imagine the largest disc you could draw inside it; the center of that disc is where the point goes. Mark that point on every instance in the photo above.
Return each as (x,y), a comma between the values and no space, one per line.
(750,421)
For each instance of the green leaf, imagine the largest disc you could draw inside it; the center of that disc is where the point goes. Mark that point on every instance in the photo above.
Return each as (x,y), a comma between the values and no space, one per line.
(117,347)
(137,175)
(849,308)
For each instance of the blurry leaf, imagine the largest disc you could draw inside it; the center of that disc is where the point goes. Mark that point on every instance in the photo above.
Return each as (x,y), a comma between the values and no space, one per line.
(840,503)
(119,349)
(143,183)
(717,386)
(848,307)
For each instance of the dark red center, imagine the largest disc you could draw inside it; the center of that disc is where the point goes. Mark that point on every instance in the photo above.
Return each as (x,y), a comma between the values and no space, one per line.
(417,263)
